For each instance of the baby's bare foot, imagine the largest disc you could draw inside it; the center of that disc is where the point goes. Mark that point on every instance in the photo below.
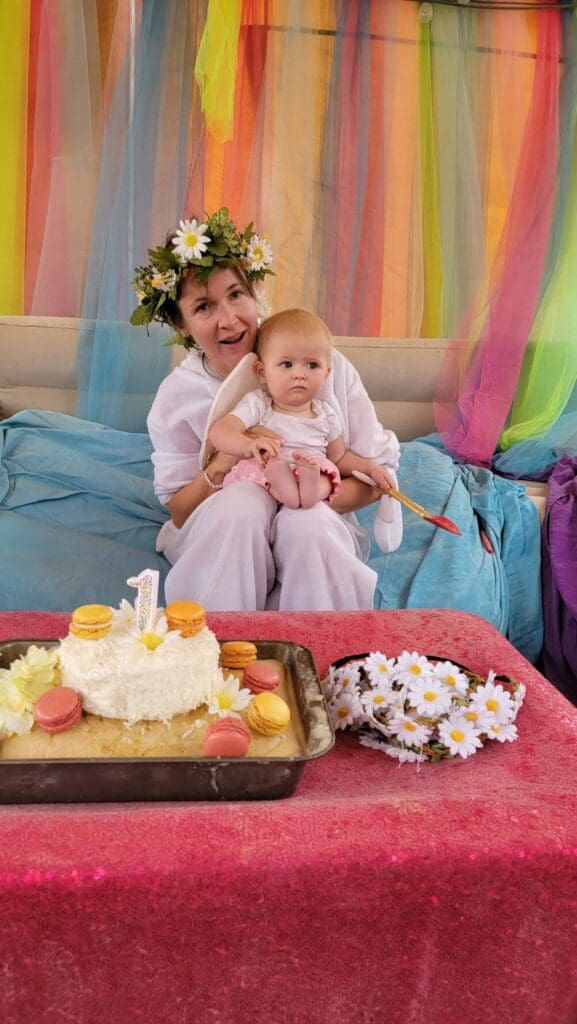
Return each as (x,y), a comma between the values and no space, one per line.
(283,483)
(310,481)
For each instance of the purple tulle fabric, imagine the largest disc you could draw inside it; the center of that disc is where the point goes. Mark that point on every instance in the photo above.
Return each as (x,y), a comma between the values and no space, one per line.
(560,578)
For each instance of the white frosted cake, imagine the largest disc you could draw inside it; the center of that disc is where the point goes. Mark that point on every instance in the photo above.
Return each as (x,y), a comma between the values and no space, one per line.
(136,676)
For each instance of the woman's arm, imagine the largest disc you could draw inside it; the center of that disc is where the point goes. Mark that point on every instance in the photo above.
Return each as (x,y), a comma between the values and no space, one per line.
(189,497)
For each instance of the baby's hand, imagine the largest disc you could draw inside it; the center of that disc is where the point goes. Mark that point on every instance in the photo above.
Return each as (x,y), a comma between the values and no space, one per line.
(262,449)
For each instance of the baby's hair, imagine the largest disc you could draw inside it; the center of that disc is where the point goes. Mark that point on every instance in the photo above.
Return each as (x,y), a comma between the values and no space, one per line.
(301,320)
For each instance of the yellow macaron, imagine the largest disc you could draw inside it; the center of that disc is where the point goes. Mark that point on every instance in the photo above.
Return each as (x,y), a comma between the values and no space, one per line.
(268,714)
(186,616)
(236,654)
(91,621)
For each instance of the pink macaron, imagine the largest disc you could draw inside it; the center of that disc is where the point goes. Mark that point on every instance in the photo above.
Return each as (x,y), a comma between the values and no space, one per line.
(260,678)
(58,709)
(227,737)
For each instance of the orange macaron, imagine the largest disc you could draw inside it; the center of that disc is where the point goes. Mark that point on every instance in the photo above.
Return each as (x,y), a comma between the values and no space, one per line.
(268,714)
(91,621)
(187,617)
(237,654)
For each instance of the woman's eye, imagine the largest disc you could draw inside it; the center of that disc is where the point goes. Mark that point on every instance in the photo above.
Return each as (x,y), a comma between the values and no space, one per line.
(201,308)
(237,293)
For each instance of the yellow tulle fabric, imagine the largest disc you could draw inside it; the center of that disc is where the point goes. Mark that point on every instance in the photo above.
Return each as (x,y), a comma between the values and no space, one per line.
(215,67)
(14,39)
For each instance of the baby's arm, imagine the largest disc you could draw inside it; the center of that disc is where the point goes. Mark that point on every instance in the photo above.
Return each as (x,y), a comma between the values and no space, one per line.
(347,461)
(229,435)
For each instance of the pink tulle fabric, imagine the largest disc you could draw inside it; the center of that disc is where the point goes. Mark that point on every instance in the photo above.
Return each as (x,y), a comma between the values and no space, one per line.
(377,893)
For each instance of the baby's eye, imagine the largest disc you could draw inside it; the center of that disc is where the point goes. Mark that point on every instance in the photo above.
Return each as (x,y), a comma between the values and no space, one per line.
(313,366)
(286,364)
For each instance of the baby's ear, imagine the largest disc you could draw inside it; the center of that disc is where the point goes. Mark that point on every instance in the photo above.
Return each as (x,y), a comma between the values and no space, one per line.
(258,370)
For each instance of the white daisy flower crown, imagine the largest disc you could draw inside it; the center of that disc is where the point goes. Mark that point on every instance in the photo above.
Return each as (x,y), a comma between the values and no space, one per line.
(421,708)
(205,247)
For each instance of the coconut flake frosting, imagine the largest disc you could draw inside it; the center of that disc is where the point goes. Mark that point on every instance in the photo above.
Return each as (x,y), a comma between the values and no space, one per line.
(117,678)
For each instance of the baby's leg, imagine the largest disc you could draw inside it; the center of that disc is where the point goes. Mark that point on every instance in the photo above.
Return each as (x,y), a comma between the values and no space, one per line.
(313,485)
(283,483)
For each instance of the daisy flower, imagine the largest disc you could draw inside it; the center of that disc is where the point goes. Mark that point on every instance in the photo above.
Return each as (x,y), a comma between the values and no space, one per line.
(348,677)
(461,737)
(258,254)
(377,698)
(413,666)
(149,640)
(378,666)
(15,713)
(190,241)
(429,696)
(408,731)
(34,673)
(481,719)
(124,615)
(507,731)
(366,740)
(343,709)
(494,699)
(163,281)
(404,754)
(228,699)
(452,677)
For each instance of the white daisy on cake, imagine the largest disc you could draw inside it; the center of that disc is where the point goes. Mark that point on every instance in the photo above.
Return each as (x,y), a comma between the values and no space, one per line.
(149,640)
(459,736)
(452,677)
(378,666)
(411,667)
(190,240)
(429,696)
(124,615)
(228,699)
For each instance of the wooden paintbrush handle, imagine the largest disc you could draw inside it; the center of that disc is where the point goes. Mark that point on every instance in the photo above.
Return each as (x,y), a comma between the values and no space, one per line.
(394,493)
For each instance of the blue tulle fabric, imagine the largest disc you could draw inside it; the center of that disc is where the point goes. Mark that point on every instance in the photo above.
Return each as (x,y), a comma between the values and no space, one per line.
(141,192)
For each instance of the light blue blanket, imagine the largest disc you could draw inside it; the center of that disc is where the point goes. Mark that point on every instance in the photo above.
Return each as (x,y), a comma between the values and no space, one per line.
(78,516)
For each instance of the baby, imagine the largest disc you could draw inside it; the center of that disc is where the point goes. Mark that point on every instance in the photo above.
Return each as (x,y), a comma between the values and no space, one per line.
(294,349)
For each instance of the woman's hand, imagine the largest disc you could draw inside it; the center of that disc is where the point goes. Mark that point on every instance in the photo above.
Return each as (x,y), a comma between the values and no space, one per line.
(380,477)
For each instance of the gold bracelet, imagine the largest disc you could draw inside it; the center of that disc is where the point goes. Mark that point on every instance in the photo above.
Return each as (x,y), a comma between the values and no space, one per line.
(211,484)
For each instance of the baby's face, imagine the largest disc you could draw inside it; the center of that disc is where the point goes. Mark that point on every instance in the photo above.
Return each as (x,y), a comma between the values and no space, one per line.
(294,367)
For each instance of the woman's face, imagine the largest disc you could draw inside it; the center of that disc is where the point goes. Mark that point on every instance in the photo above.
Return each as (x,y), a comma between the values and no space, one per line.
(220,316)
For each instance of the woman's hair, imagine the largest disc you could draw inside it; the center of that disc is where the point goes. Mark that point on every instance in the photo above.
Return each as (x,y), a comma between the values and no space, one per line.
(170,306)
(302,321)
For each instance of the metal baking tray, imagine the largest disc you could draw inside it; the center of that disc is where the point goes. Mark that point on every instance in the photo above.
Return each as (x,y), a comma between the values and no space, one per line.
(90,780)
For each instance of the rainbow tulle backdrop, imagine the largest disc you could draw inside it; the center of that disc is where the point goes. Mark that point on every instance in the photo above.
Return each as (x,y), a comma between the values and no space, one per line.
(416,176)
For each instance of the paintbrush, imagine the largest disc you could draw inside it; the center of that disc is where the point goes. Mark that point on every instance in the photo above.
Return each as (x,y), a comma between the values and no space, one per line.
(442,521)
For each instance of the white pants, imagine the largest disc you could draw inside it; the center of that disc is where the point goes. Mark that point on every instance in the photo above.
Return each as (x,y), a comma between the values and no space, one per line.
(237,544)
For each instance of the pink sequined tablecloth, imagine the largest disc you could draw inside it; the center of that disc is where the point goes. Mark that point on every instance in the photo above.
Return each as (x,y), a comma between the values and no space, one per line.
(377,894)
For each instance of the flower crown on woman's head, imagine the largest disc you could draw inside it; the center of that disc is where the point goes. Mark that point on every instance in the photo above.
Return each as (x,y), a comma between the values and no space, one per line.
(205,247)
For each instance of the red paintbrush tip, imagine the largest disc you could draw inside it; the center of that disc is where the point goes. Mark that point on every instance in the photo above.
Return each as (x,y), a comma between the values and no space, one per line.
(444,523)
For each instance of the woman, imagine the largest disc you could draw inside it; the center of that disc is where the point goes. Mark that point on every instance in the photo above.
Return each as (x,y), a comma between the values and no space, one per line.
(234,549)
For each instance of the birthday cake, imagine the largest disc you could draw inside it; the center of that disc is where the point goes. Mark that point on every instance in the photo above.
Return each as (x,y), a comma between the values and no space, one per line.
(149,674)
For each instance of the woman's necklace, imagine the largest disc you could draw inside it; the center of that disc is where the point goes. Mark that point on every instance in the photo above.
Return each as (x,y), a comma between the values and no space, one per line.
(208,369)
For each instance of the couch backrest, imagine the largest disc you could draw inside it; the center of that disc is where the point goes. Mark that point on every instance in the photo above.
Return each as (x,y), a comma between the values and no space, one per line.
(38,371)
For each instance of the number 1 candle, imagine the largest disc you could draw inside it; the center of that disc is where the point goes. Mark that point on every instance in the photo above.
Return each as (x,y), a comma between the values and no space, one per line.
(146,598)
